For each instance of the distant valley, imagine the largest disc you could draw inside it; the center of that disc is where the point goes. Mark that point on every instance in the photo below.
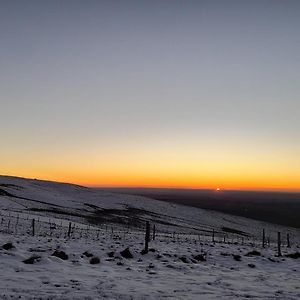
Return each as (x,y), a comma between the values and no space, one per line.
(274,207)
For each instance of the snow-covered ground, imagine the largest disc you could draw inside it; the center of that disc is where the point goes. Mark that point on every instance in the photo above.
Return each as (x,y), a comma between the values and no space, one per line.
(183,262)
(172,271)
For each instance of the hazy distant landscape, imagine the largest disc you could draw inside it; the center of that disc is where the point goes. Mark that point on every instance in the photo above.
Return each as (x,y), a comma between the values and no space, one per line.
(279,208)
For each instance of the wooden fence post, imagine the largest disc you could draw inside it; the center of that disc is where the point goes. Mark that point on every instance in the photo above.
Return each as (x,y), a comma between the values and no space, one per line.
(154,232)
(213,236)
(33,225)
(278,244)
(147,237)
(263,238)
(288,240)
(69,231)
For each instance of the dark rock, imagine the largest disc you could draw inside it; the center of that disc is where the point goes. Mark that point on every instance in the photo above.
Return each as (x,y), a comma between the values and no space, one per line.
(31,260)
(295,255)
(111,254)
(184,259)
(87,254)
(200,257)
(251,266)
(94,260)
(36,250)
(236,257)
(8,246)
(170,266)
(60,254)
(253,253)
(126,253)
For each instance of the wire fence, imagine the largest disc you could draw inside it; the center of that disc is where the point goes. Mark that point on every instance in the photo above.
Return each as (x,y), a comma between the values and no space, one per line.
(22,224)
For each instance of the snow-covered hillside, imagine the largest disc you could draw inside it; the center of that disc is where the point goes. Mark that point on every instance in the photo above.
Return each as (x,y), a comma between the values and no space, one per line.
(87,205)
(184,261)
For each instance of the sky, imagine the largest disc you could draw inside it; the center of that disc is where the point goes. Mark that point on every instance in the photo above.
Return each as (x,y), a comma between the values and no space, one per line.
(194,94)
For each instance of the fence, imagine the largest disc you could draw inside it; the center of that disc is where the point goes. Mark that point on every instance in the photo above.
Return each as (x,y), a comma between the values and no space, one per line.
(22,224)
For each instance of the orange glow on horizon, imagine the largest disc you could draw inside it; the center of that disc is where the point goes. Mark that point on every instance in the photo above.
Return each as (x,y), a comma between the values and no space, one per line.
(165,182)
(175,164)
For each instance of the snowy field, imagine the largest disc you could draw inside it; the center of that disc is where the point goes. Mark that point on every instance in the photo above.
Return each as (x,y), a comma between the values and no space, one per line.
(176,269)
(89,262)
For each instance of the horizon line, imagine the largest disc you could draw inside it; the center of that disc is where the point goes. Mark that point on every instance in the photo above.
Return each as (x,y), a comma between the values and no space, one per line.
(266,190)
(115,186)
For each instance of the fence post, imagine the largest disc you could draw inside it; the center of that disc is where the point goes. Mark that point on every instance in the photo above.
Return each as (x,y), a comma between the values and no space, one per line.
(288,240)
(213,236)
(278,244)
(69,231)
(263,238)
(112,231)
(147,237)
(154,232)
(33,225)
